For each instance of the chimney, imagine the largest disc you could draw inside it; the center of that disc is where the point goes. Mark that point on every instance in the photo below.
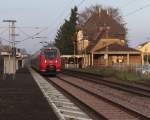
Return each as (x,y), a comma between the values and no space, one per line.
(108,12)
(99,11)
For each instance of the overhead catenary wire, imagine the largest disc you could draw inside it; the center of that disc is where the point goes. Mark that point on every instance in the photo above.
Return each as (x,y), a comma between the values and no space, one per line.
(2,38)
(29,37)
(25,27)
(137,10)
(79,4)
(5,30)
(31,27)
(23,32)
(128,3)
(46,28)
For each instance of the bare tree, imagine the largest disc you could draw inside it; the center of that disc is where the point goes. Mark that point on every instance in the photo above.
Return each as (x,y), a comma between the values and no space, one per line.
(88,12)
(116,14)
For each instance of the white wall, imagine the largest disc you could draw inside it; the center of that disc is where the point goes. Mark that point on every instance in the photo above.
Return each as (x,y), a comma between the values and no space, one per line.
(9,67)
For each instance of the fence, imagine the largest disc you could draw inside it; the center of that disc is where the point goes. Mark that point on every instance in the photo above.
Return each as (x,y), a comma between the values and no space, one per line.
(137,69)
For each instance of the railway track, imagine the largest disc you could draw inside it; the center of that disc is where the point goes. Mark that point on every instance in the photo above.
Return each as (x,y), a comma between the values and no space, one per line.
(103,96)
(63,107)
(92,96)
(144,83)
(135,88)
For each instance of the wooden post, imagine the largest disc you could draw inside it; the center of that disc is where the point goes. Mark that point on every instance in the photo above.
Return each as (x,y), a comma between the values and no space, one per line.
(142,57)
(67,63)
(89,60)
(128,58)
(107,58)
(92,58)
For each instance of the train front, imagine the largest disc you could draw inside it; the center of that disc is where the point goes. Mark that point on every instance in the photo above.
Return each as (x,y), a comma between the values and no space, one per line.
(50,61)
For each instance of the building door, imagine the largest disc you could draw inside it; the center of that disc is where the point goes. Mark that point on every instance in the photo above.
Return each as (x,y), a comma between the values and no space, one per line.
(19,64)
(1,65)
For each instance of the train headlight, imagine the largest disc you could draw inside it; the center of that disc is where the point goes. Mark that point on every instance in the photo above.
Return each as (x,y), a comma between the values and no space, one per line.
(56,61)
(45,61)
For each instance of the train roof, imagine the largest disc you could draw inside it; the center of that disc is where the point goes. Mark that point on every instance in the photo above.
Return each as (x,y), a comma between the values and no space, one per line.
(42,49)
(49,48)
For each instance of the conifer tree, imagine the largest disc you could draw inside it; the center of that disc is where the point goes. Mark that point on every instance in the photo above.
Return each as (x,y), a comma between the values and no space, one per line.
(65,36)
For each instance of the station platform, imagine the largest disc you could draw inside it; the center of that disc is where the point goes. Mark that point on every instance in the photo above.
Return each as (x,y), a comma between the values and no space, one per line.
(22,99)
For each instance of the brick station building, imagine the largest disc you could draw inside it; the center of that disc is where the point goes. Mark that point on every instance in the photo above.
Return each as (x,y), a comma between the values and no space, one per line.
(101,41)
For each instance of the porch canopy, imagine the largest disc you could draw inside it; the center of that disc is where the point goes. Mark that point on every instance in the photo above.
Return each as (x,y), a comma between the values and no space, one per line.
(117,49)
(116,53)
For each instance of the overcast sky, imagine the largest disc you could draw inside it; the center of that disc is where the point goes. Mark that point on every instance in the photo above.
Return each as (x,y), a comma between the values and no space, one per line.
(48,15)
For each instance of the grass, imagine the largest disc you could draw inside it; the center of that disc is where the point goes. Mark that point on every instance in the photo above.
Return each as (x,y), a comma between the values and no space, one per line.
(122,75)
(128,76)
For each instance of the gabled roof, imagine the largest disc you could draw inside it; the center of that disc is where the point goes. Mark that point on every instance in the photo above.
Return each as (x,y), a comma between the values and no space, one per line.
(117,47)
(144,43)
(94,42)
(97,20)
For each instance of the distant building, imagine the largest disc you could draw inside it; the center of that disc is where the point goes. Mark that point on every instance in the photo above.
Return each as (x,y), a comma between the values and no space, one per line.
(145,49)
(101,40)
(100,29)
(8,63)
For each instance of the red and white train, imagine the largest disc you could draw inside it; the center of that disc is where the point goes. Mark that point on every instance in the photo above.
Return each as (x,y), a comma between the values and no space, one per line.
(47,60)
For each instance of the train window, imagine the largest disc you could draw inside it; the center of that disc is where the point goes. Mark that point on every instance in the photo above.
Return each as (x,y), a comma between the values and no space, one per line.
(50,53)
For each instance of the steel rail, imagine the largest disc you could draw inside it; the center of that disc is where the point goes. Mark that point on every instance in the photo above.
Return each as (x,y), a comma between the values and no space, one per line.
(117,85)
(129,110)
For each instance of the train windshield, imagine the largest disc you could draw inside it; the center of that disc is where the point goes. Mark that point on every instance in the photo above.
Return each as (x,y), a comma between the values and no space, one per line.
(50,53)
